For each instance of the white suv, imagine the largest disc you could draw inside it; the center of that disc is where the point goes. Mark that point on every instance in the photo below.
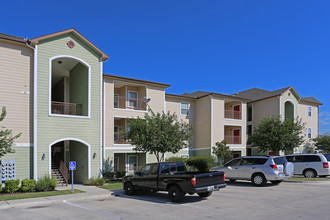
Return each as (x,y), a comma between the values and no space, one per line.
(258,169)
(310,165)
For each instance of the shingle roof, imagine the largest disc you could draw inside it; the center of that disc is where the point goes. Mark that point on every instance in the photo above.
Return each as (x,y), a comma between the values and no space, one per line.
(12,38)
(312,100)
(200,94)
(258,94)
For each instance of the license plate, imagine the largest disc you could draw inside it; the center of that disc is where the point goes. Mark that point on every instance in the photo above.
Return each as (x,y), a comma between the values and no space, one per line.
(280,168)
(210,188)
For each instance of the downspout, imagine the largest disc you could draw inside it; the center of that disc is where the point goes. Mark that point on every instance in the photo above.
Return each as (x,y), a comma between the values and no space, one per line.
(35,49)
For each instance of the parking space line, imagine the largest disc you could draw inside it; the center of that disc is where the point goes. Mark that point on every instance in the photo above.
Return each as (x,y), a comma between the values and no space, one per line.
(92,210)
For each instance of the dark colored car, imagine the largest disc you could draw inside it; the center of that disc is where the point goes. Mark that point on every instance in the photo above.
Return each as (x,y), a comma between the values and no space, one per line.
(174,178)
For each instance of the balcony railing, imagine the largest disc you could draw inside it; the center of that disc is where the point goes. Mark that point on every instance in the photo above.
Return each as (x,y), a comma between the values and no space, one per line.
(233,114)
(129,103)
(66,108)
(233,139)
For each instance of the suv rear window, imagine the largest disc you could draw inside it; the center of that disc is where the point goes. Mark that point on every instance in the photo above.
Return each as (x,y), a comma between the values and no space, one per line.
(280,160)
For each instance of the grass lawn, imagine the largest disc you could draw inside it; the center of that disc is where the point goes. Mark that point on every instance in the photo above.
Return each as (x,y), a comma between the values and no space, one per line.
(110,186)
(307,179)
(37,194)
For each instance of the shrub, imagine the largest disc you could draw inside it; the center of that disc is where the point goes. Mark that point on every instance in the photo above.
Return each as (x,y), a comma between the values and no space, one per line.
(11,186)
(95,181)
(28,185)
(120,174)
(46,183)
(109,176)
(201,163)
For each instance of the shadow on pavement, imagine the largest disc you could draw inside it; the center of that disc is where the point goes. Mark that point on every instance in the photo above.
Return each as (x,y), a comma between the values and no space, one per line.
(157,197)
(247,184)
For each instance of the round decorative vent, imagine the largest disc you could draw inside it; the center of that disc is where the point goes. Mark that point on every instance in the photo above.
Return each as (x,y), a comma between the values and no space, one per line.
(70,44)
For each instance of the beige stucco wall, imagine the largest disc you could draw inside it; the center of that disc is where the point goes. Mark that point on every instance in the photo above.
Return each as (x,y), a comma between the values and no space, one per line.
(203,123)
(16,89)
(264,108)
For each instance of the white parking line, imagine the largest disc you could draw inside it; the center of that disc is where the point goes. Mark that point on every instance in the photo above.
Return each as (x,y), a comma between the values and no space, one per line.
(92,210)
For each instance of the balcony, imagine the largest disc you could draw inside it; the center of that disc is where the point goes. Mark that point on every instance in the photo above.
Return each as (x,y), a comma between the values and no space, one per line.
(233,139)
(123,102)
(118,138)
(66,108)
(232,114)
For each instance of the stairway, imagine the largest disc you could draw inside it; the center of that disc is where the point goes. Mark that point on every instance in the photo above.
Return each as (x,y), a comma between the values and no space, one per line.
(57,175)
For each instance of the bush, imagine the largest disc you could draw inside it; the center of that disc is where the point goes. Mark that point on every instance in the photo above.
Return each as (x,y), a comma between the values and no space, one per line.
(120,174)
(201,163)
(109,176)
(45,183)
(11,186)
(28,185)
(95,181)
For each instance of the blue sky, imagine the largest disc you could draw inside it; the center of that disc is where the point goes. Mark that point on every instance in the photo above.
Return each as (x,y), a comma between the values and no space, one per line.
(222,46)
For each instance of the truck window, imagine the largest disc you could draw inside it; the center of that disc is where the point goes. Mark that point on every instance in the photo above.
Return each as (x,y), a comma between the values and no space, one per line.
(181,168)
(154,169)
(164,168)
(173,168)
(146,169)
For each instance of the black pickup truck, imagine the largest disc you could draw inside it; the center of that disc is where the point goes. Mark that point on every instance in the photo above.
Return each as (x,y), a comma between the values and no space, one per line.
(174,178)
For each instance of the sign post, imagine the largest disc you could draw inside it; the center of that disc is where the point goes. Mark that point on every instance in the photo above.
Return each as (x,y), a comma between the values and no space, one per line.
(72,167)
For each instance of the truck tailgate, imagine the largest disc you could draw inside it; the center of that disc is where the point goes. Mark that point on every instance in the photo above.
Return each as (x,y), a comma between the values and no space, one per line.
(209,179)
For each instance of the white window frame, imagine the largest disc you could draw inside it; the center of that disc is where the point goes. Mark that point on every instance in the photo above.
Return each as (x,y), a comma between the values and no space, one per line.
(309,111)
(137,98)
(116,96)
(137,162)
(188,105)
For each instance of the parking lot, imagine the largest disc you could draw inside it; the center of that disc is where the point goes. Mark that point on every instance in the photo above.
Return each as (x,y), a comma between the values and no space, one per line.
(239,200)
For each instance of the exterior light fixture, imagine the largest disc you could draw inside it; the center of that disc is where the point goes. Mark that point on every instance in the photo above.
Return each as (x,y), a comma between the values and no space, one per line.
(43,157)
(94,155)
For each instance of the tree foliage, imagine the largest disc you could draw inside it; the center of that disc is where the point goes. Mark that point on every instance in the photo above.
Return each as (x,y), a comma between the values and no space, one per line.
(158,133)
(221,150)
(6,136)
(273,134)
(322,142)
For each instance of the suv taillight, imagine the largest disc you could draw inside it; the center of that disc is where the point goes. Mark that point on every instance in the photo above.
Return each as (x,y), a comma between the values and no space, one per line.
(273,166)
(193,181)
(325,165)
(224,177)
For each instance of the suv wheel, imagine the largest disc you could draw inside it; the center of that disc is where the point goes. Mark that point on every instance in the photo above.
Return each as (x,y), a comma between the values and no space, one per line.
(175,194)
(129,189)
(259,179)
(309,173)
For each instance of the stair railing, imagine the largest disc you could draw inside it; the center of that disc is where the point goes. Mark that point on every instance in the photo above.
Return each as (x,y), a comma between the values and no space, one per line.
(64,172)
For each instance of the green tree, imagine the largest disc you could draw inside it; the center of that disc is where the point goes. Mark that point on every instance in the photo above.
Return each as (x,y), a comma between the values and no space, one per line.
(322,142)
(273,134)
(6,136)
(158,133)
(221,151)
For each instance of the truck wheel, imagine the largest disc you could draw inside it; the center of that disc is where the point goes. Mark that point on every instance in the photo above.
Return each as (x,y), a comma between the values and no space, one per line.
(129,189)
(205,194)
(175,194)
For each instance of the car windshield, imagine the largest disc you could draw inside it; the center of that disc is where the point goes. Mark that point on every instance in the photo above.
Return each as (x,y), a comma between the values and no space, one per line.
(280,160)
(327,156)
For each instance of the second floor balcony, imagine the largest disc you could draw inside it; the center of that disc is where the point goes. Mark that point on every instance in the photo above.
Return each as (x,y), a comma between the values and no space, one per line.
(233,134)
(133,103)
(65,108)
(232,114)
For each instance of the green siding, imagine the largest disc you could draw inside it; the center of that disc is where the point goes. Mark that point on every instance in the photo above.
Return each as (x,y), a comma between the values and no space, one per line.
(79,153)
(79,87)
(23,159)
(50,128)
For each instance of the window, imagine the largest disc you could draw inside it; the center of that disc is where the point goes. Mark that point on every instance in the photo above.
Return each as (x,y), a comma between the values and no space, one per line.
(233,163)
(165,168)
(249,130)
(132,162)
(312,158)
(116,164)
(184,108)
(186,156)
(116,101)
(132,99)
(249,113)
(309,133)
(309,111)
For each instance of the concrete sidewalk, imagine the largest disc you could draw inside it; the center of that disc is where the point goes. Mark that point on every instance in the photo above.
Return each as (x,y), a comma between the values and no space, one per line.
(91,193)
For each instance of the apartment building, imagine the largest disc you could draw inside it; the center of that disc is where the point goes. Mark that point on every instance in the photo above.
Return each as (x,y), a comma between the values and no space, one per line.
(287,104)
(52,88)
(215,117)
(57,96)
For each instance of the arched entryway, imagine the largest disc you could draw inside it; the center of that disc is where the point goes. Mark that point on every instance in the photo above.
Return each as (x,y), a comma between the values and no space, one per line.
(289,110)
(65,150)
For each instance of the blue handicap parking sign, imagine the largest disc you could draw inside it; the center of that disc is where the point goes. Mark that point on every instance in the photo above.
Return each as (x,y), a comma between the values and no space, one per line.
(72,165)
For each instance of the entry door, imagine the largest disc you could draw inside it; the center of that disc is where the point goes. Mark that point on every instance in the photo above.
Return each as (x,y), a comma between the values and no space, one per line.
(237,138)
(132,163)
(237,112)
